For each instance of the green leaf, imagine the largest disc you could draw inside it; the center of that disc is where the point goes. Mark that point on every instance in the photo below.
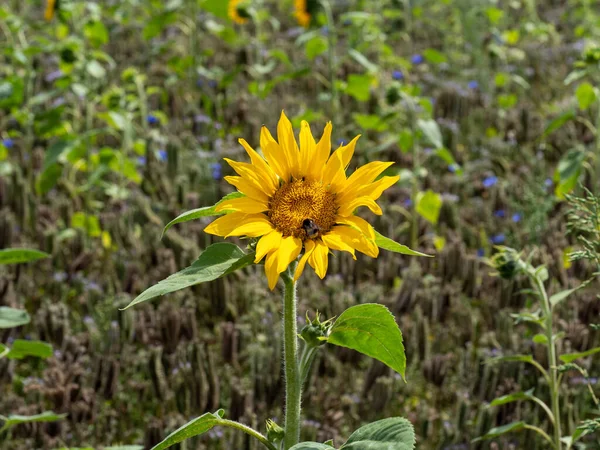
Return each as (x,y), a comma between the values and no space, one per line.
(22,348)
(315,47)
(560,296)
(434,56)
(586,95)
(48,178)
(54,152)
(570,357)
(216,7)
(11,317)
(16,419)
(370,122)
(206,211)
(96,33)
(540,339)
(218,260)
(394,433)
(514,397)
(499,431)
(86,222)
(359,87)
(431,131)
(362,60)
(20,255)
(511,358)
(558,122)
(311,446)
(95,69)
(388,244)
(372,330)
(428,205)
(195,427)
(568,171)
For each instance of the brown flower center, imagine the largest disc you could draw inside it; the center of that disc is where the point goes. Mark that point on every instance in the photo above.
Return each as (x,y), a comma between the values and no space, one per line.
(303,209)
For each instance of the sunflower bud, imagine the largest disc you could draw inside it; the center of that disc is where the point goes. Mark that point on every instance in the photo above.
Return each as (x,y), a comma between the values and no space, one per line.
(507,262)
(314,330)
(275,433)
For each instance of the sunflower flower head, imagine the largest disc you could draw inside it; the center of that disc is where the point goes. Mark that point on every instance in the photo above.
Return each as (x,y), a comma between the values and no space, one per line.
(305,10)
(238,11)
(298,199)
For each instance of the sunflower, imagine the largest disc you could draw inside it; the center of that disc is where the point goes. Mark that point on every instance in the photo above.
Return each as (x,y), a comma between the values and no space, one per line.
(237,11)
(299,198)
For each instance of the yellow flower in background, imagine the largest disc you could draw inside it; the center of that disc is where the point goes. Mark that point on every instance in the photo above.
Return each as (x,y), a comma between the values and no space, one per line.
(51,7)
(299,198)
(302,15)
(237,11)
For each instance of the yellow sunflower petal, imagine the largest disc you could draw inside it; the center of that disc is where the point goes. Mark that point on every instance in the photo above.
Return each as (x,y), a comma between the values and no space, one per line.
(322,151)
(266,244)
(307,148)
(374,190)
(309,246)
(318,259)
(348,208)
(260,164)
(336,242)
(271,269)
(333,174)
(226,224)
(361,177)
(360,224)
(356,239)
(248,188)
(253,225)
(249,173)
(274,154)
(287,141)
(289,249)
(346,152)
(245,204)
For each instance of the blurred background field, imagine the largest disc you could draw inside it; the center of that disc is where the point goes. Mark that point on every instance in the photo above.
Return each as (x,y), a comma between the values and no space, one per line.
(114,119)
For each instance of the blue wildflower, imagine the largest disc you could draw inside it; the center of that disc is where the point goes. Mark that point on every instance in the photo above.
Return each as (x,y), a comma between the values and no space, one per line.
(212,83)
(473,84)
(324,30)
(516,217)
(347,22)
(341,141)
(480,252)
(417,59)
(408,203)
(488,182)
(162,155)
(8,143)
(397,75)
(500,213)
(453,168)
(152,120)
(498,239)
(217,173)
(548,182)
(141,160)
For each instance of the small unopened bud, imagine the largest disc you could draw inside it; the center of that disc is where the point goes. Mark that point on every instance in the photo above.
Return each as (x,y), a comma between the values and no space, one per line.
(314,331)
(275,433)
(507,262)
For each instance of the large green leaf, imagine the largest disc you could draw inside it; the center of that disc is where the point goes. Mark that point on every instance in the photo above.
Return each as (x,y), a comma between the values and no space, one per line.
(393,246)
(16,419)
(311,446)
(431,131)
(372,330)
(560,296)
(514,397)
(195,427)
(558,122)
(499,431)
(570,357)
(216,261)
(394,433)
(206,211)
(428,205)
(20,255)
(22,348)
(11,317)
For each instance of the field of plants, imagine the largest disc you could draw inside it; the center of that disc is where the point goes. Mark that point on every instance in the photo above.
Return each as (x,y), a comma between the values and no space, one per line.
(197,253)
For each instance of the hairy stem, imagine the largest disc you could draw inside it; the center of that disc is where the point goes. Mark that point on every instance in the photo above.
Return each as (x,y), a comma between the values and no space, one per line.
(551,358)
(247,430)
(293,390)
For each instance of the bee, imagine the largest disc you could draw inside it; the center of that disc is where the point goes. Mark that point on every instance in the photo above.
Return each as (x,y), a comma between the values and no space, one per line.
(311,228)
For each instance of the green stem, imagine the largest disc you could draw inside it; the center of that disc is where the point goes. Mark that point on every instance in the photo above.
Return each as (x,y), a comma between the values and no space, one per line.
(552,359)
(597,174)
(293,388)
(247,430)
(331,45)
